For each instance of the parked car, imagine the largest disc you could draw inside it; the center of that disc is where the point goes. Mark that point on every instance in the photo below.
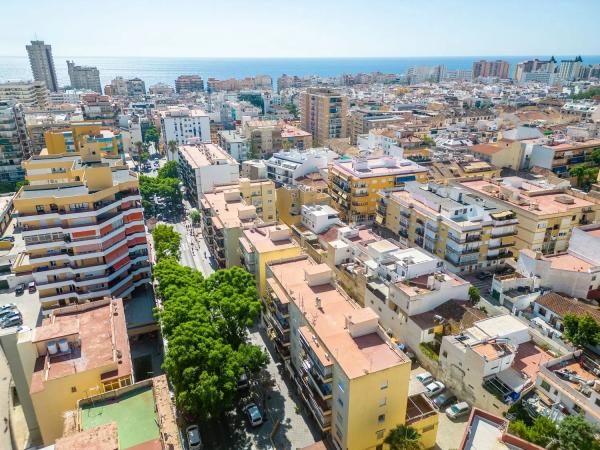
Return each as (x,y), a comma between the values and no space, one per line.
(484,275)
(443,400)
(8,238)
(458,410)
(31,287)
(8,306)
(434,388)
(243,382)
(12,321)
(425,378)
(254,415)
(20,289)
(193,436)
(7,312)
(10,318)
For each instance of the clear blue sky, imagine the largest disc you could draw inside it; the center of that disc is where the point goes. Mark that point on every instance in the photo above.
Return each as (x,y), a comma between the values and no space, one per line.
(317,28)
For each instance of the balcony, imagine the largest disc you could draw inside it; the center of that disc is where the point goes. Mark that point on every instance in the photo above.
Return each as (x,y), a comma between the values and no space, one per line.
(501,245)
(500,255)
(404,213)
(467,238)
(504,234)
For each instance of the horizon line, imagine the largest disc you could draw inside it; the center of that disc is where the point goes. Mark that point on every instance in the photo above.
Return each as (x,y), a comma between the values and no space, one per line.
(313,57)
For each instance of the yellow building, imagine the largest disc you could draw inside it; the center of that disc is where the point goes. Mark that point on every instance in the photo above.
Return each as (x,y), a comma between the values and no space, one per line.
(503,154)
(87,137)
(76,353)
(324,114)
(229,209)
(546,213)
(83,226)
(263,244)
(470,233)
(310,190)
(354,184)
(353,379)
(462,168)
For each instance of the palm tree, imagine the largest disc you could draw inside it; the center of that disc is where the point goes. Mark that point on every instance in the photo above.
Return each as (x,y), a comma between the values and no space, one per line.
(172,148)
(403,437)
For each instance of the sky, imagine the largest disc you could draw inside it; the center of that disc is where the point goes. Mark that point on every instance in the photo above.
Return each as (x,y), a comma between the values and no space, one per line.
(302,28)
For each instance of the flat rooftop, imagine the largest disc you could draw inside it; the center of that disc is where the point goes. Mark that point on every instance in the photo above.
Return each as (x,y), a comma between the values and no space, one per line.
(103,437)
(204,155)
(378,166)
(227,212)
(485,434)
(539,204)
(270,238)
(134,415)
(102,332)
(357,356)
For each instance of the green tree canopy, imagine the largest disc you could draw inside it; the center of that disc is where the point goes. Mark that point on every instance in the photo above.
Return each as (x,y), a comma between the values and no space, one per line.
(541,432)
(403,437)
(166,242)
(195,216)
(576,433)
(205,322)
(581,330)
(169,170)
(165,190)
(152,135)
(474,295)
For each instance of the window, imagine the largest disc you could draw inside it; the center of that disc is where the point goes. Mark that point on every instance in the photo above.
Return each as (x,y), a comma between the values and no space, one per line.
(597,401)
(73,389)
(341,388)
(382,402)
(577,408)
(340,418)
(428,428)
(545,385)
(384,385)
(444,354)
(379,447)
(340,401)
(379,434)
(381,418)
(338,433)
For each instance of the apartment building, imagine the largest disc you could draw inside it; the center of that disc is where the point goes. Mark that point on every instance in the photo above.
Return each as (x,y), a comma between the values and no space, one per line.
(42,64)
(84,137)
(118,87)
(361,121)
(99,107)
(249,83)
(40,121)
(491,364)
(136,87)
(203,166)
(291,198)
(545,214)
(560,156)
(575,273)
(189,83)
(354,183)
(324,114)
(586,111)
(15,145)
(83,228)
(234,143)
(229,209)
(266,137)
(495,69)
(285,167)
(351,376)
(262,244)
(184,125)
(567,385)
(77,352)
(84,77)
(28,93)
(468,232)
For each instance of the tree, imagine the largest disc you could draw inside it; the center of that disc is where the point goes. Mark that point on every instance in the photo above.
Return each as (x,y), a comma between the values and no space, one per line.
(144,156)
(586,175)
(205,321)
(596,156)
(576,433)
(152,135)
(169,170)
(292,109)
(252,150)
(542,432)
(172,147)
(403,437)
(474,295)
(581,330)
(166,242)
(160,194)
(139,147)
(195,216)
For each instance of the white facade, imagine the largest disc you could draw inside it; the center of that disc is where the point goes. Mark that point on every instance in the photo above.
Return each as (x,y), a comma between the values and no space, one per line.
(319,218)
(183,125)
(286,167)
(234,143)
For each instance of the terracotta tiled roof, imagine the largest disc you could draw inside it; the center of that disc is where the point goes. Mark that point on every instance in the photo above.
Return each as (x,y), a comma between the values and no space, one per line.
(561,306)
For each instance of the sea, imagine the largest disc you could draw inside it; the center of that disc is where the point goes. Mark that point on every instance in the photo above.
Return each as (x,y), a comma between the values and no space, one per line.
(166,70)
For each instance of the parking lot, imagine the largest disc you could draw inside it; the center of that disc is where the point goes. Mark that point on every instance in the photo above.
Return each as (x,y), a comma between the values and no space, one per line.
(450,432)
